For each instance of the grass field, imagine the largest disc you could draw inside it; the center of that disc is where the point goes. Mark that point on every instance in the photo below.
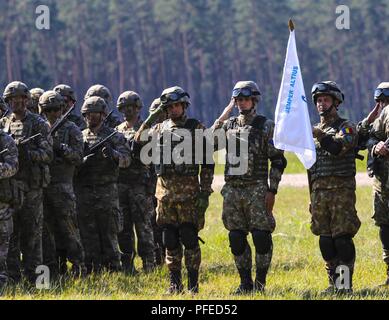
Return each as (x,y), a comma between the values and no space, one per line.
(297,270)
(295,166)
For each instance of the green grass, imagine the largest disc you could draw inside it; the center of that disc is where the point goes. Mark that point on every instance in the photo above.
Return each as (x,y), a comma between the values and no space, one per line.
(297,270)
(295,166)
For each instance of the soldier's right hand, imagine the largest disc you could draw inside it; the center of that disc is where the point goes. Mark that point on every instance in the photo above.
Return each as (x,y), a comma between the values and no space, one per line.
(381,149)
(153,116)
(374,113)
(227,111)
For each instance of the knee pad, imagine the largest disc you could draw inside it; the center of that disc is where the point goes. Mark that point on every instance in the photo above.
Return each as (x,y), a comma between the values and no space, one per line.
(345,248)
(238,242)
(262,241)
(384,236)
(170,237)
(189,236)
(327,248)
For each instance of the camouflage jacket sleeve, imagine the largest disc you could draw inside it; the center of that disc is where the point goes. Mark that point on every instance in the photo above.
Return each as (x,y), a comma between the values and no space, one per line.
(208,166)
(342,142)
(121,149)
(219,129)
(9,163)
(42,152)
(277,158)
(74,151)
(378,131)
(363,130)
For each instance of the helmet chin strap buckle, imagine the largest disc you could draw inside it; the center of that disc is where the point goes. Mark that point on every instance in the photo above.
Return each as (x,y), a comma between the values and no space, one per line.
(328,111)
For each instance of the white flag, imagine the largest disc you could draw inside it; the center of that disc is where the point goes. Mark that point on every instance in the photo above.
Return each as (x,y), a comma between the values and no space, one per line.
(293,131)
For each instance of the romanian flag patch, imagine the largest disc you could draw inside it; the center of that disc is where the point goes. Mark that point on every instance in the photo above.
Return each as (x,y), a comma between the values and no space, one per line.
(347,131)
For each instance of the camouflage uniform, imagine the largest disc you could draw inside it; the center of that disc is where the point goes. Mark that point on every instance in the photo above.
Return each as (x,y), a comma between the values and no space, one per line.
(137,206)
(97,196)
(380,132)
(33,176)
(8,168)
(35,95)
(60,201)
(332,186)
(178,191)
(244,209)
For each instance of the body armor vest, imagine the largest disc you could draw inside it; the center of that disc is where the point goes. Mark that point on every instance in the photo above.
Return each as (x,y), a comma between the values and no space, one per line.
(328,165)
(97,170)
(34,174)
(62,171)
(256,157)
(185,169)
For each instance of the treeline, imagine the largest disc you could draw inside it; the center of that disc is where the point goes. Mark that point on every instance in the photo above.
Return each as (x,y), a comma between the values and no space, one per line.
(203,45)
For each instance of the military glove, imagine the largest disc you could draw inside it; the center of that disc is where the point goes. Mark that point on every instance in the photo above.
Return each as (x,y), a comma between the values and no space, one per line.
(153,116)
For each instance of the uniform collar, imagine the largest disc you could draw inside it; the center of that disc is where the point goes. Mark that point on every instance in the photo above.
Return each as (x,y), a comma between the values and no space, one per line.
(329,120)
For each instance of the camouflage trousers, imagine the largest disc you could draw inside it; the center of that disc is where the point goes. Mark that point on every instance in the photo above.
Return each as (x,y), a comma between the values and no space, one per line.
(61,226)
(380,204)
(6,227)
(27,236)
(100,222)
(175,214)
(381,210)
(244,210)
(138,211)
(334,213)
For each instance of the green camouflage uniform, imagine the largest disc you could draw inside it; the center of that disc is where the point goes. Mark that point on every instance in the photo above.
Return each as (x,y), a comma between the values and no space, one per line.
(137,206)
(8,168)
(332,182)
(244,207)
(32,177)
(176,194)
(61,226)
(98,205)
(379,132)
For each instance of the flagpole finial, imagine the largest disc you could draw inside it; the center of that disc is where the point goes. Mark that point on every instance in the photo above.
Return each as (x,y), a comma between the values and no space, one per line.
(291,25)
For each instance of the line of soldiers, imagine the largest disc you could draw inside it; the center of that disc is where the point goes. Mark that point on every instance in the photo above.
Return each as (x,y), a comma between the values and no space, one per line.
(114,197)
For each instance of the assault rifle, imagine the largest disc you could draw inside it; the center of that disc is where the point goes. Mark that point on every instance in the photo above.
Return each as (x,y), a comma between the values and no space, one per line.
(24,141)
(60,122)
(107,118)
(93,149)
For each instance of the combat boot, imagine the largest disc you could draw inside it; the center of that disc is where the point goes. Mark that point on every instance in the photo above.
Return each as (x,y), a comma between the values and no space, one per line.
(128,264)
(176,286)
(246,282)
(193,281)
(331,272)
(149,265)
(260,280)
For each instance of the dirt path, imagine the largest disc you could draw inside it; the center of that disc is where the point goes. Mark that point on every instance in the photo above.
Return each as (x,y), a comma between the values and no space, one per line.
(298,180)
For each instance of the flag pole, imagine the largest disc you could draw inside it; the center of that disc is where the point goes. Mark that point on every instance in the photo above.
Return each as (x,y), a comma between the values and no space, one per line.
(291,25)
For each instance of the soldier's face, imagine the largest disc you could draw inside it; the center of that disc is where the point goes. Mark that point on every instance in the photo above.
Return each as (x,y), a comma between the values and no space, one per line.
(175,111)
(130,113)
(323,103)
(53,115)
(244,103)
(94,119)
(18,104)
(68,103)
